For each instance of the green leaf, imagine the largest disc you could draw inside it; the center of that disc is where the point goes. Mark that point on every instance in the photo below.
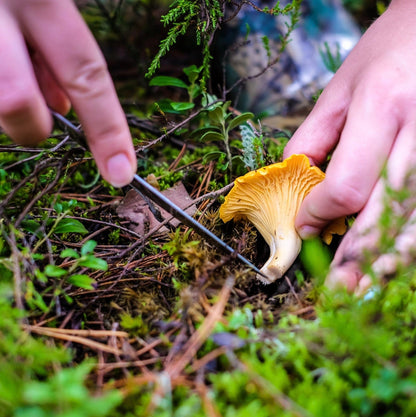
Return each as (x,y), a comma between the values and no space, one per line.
(33,227)
(197,133)
(169,106)
(192,72)
(58,208)
(211,101)
(212,156)
(82,281)
(240,119)
(194,92)
(181,105)
(68,225)
(54,271)
(166,81)
(69,253)
(40,276)
(88,247)
(94,263)
(266,44)
(216,116)
(212,136)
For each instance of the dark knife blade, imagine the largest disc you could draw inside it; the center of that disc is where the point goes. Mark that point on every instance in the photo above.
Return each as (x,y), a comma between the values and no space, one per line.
(156,196)
(143,187)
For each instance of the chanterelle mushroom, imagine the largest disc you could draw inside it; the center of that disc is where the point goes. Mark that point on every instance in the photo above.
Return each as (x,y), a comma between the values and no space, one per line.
(270,198)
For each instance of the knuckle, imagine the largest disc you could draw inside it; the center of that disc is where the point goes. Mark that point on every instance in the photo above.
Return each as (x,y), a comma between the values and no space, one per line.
(346,197)
(89,78)
(387,89)
(109,136)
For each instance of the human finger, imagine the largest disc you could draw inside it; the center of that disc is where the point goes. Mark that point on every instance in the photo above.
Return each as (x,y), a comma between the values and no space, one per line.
(349,275)
(320,132)
(362,242)
(357,245)
(388,264)
(356,163)
(23,112)
(74,58)
(52,92)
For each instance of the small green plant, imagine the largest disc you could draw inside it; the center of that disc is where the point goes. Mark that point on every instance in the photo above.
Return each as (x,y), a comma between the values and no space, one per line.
(35,377)
(221,122)
(60,224)
(68,272)
(316,258)
(332,60)
(135,324)
(252,143)
(84,259)
(179,245)
(65,394)
(204,16)
(193,89)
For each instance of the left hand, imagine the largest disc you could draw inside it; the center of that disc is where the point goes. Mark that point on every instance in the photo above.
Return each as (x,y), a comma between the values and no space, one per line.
(49,58)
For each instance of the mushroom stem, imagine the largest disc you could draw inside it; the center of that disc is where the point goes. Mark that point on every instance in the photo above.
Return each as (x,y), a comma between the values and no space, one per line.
(283,252)
(270,198)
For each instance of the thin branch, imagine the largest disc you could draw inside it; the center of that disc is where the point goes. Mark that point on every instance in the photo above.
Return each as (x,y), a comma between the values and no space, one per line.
(57,334)
(48,188)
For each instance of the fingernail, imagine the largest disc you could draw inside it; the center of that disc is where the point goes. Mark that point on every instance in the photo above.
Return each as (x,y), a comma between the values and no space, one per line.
(119,170)
(307,232)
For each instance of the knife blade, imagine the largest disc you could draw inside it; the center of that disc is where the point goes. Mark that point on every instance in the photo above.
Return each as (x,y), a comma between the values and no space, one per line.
(162,201)
(146,189)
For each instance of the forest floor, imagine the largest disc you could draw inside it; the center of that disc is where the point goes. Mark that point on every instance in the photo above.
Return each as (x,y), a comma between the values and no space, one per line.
(107,311)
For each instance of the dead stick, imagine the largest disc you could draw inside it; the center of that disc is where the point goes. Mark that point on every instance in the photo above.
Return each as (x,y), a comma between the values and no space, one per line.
(201,335)
(76,332)
(77,339)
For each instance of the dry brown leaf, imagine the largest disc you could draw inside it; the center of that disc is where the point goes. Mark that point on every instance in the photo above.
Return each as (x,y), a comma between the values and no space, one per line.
(135,209)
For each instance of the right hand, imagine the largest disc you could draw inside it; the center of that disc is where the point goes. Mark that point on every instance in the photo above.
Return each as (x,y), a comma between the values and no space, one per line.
(367,117)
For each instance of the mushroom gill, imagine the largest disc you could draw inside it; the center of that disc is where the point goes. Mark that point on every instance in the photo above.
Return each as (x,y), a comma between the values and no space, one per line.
(270,198)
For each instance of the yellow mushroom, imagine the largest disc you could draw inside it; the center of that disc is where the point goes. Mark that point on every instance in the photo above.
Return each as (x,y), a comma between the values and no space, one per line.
(270,198)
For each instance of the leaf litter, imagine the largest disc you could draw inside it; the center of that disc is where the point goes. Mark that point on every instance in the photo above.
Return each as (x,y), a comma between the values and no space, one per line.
(158,302)
(136,209)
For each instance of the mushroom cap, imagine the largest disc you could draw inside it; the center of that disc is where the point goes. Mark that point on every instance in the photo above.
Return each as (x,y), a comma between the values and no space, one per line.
(270,198)
(272,193)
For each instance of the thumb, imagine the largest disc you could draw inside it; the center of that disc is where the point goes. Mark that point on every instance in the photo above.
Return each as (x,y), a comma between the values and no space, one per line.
(324,204)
